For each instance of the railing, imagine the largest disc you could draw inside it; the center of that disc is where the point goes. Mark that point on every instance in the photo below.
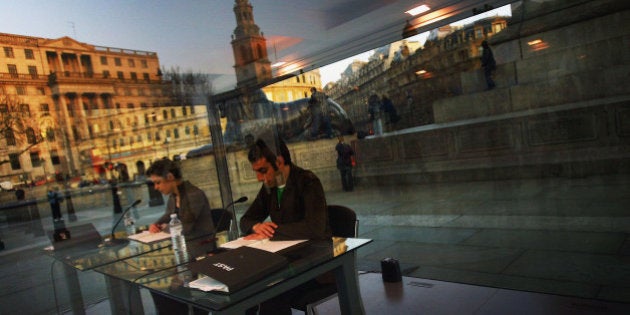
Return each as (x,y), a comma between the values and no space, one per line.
(22,76)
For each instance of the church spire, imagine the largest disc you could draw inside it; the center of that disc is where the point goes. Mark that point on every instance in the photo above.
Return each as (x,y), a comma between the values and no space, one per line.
(249,47)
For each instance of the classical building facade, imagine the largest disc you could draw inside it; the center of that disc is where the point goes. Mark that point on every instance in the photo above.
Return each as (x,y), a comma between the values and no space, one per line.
(92,110)
(413,76)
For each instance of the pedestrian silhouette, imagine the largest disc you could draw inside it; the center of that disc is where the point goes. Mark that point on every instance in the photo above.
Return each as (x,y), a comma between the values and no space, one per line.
(488,64)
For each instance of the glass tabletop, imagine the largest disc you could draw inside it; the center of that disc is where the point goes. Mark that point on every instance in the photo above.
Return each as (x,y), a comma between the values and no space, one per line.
(83,248)
(173,281)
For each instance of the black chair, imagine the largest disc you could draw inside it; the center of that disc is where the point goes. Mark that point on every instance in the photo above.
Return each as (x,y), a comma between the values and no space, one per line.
(343,223)
(221,219)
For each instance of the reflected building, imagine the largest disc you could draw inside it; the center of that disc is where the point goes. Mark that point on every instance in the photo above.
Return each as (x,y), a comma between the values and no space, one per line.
(413,76)
(97,109)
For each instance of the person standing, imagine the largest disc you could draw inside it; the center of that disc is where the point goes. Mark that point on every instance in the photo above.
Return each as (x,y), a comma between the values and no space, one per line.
(294,201)
(344,163)
(488,64)
(54,199)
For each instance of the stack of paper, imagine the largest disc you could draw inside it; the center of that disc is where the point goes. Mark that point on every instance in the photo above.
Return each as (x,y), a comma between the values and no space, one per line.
(148,237)
(264,244)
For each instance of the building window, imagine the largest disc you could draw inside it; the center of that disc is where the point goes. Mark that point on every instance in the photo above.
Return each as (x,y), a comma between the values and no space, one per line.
(12,71)
(134,76)
(20,90)
(30,136)
(28,54)
(14,159)
(187,130)
(130,105)
(145,77)
(54,157)
(35,160)
(50,134)
(41,91)
(44,109)
(117,62)
(25,110)
(184,111)
(176,133)
(106,74)
(32,70)
(104,60)
(157,136)
(165,114)
(132,63)
(120,75)
(8,52)
(9,136)
(172,112)
(195,130)
(143,63)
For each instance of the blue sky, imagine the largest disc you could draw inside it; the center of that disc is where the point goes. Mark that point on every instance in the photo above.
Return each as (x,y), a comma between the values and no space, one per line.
(191,34)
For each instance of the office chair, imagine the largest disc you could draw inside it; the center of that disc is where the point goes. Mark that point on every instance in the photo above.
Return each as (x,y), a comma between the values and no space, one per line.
(221,219)
(343,223)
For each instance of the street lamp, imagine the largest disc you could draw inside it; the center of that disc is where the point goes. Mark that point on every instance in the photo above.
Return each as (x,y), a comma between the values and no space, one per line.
(167,141)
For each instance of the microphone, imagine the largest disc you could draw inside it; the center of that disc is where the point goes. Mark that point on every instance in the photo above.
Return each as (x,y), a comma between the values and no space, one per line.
(112,239)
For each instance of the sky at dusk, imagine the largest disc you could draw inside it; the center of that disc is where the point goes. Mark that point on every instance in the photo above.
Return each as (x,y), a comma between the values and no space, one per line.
(192,35)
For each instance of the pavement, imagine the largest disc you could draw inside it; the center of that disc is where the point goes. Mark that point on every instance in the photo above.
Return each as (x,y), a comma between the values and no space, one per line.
(557,236)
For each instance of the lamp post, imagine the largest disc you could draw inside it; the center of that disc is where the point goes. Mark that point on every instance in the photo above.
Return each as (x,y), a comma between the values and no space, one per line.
(167,142)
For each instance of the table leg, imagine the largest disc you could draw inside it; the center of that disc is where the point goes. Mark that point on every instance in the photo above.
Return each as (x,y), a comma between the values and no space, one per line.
(74,290)
(124,297)
(350,301)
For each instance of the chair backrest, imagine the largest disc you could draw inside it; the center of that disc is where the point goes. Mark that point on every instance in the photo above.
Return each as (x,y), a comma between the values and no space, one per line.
(221,219)
(343,221)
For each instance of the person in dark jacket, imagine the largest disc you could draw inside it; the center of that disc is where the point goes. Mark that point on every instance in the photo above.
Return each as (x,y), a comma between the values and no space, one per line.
(293,198)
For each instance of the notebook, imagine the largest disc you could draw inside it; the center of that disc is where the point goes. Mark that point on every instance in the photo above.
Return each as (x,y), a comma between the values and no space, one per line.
(239,267)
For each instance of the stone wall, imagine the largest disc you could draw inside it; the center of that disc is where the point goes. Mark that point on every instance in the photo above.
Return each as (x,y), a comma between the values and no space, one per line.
(317,156)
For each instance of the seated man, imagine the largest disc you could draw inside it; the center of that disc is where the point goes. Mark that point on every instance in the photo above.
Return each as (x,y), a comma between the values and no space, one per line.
(293,198)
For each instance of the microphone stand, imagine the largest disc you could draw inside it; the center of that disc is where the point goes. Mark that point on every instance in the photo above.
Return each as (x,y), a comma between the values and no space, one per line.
(232,232)
(112,240)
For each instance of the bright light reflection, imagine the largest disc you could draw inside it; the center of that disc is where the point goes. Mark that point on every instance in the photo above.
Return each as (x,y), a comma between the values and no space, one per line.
(418,10)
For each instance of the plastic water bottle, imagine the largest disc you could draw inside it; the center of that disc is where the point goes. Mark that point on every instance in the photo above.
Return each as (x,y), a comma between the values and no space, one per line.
(175,227)
(130,224)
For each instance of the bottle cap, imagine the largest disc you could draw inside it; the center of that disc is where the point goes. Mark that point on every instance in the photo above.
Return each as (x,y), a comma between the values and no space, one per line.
(173,215)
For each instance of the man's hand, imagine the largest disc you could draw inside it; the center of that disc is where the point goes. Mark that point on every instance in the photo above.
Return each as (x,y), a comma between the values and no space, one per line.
(266,229)
(154,228)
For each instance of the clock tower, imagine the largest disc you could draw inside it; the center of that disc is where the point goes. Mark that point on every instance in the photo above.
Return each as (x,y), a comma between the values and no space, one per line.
(250,48)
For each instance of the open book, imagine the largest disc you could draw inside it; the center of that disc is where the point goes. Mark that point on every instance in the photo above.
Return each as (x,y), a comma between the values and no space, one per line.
(264,244)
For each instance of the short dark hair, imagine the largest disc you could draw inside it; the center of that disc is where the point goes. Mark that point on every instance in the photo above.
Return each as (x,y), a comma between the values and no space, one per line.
(163,167)
(284,152)
(260,150)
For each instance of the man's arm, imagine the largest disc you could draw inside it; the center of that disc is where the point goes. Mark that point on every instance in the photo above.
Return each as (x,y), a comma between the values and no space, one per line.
(256,213)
